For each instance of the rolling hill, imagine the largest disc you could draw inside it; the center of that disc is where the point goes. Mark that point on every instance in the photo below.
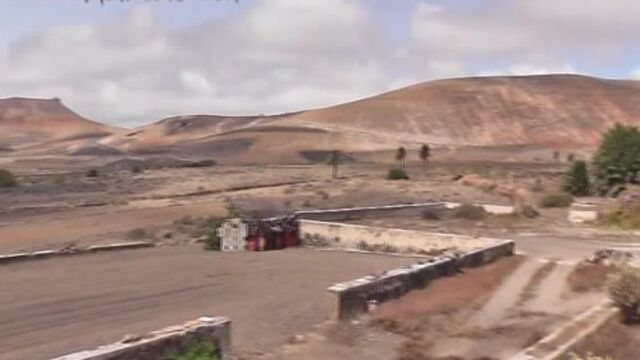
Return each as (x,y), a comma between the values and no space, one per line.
(533,112)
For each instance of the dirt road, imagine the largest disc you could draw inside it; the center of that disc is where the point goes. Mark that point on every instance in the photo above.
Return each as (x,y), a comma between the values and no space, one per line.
(58,306)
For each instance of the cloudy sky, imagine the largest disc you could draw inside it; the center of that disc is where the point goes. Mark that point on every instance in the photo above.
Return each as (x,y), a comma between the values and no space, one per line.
(136,62)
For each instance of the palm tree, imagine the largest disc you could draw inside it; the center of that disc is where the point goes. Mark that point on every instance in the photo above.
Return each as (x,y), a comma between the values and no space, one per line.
(425,153)
(334,160)
(401,156)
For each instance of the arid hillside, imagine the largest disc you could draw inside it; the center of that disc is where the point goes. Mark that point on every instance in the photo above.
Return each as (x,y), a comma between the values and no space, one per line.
(537,112)
(46,125)
(468,115)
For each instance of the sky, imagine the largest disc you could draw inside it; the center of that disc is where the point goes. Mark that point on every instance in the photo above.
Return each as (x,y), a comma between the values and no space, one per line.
(135,62)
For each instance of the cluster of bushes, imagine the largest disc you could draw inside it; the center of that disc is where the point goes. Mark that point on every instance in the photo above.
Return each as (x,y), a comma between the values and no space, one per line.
(556,200)
(397,174)
(625,213)
(7,179)
(469,212)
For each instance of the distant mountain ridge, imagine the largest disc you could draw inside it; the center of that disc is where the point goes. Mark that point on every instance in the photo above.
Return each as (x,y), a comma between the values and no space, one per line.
(545,111)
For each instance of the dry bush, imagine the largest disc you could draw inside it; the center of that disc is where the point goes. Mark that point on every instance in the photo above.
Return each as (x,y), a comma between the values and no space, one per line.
(614,339)
(625,213)
(556,200)
(469,212)
(623,286)
(588,277)
(412,312)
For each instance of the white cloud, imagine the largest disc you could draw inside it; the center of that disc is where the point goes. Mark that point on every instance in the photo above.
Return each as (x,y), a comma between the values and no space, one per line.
(282,55)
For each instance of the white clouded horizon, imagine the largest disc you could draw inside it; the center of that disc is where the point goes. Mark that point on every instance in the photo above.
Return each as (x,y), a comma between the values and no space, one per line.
(284,55)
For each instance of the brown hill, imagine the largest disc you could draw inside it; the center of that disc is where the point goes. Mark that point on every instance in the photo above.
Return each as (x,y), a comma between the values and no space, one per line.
(46,124)
(533,112)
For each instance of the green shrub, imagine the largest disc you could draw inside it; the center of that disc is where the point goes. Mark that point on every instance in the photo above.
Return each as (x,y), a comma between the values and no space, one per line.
(7,179)
(213,242)
(556,200)
(397,174)
(200,350)
(617,160)
(469,212)
(576,180)
(623,287)
(92,173)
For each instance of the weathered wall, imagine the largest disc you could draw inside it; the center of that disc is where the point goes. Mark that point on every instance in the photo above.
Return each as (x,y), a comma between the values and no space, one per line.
(157,345)
(353,297)
(389,210)
(364,212)
(348,236)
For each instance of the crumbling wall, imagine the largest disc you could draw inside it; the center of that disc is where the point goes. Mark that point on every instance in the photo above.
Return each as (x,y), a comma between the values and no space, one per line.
(351,236)
(157,345)
(353,297)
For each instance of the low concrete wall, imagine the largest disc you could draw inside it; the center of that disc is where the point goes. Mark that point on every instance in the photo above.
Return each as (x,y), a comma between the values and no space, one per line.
(363,212)
(349,236)
(345,214)
(353,297)
(44,254)
(159,344)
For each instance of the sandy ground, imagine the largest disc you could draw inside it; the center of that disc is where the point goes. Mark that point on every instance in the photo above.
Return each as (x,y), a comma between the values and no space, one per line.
(63,305)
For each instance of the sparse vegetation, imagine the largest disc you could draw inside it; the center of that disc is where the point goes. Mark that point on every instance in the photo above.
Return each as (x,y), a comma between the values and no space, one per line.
(588,277)
(576,180)
(623,287)
(556,200)
(199,350)
(469,212)
(92,173)
(397,174)
(626,213)
(7,179)
(528,211)
(136,169)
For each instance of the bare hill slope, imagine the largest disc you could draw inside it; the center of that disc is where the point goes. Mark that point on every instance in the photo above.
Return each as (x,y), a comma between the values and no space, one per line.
(46,123)
(549,111)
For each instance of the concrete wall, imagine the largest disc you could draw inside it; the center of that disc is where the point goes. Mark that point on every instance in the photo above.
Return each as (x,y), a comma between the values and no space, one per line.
(364,212)
(348,236)
(390,210)
(353,297)
(157,345)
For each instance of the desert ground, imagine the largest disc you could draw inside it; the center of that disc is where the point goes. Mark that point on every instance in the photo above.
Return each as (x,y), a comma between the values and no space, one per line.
(277,300)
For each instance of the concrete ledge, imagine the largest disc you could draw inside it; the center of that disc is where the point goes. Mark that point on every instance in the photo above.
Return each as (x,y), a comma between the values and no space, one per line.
(349,213)
(353,297)
(45,254)
(158,344)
